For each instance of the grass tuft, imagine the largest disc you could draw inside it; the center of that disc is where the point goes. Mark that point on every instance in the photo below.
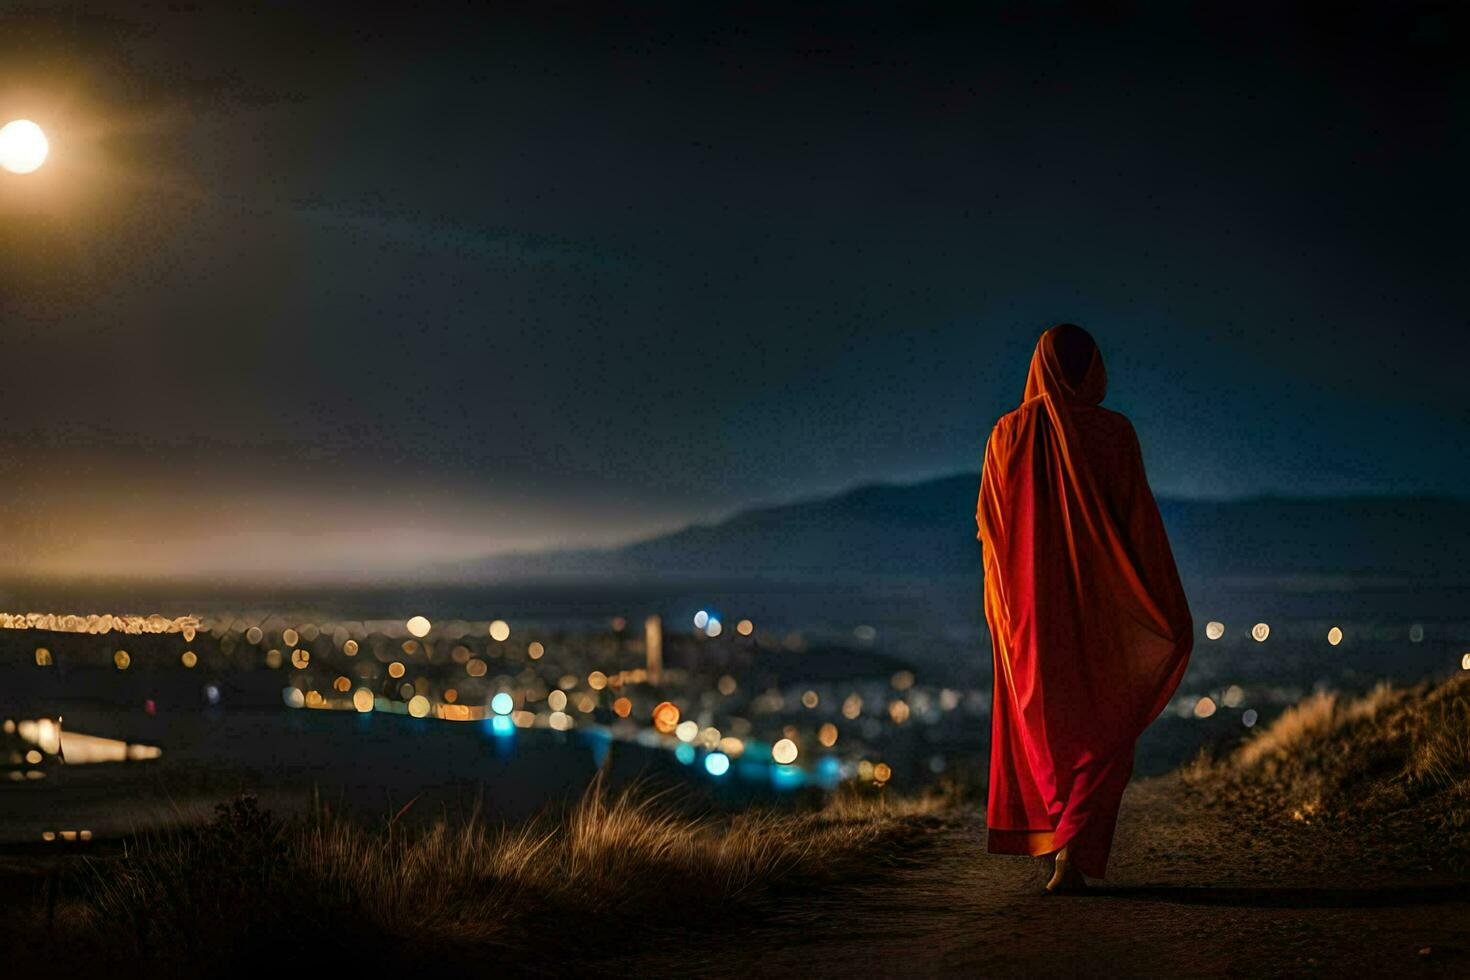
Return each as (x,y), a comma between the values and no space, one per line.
(321,888)
(1389,771)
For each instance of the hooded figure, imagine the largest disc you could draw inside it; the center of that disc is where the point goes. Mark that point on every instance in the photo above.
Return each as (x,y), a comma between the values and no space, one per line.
(1089,624)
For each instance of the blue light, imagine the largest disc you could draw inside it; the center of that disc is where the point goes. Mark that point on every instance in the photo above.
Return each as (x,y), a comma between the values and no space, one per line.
(684,753)
(502,703)
(598,741)
(717,763)
(502,725)
(211,693)
(828,772)
(787,777)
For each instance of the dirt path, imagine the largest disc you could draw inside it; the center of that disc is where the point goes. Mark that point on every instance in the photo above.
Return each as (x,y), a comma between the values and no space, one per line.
(1189,894)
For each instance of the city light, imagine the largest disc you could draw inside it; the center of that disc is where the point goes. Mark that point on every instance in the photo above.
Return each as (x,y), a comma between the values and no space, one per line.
(1260,631)
(418,626)
(502,703)
(784,752)
(717,763)
(1214,630)
(666,717)
(1334,636)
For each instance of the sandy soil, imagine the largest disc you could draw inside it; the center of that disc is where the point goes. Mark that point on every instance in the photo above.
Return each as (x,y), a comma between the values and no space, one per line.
(1190,892)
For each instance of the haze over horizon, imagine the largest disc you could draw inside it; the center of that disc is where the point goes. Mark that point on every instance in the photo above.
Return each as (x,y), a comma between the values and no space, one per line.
(314,289)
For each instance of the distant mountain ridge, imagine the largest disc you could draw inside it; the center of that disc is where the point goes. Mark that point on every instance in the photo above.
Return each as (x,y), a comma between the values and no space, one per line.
(927,529)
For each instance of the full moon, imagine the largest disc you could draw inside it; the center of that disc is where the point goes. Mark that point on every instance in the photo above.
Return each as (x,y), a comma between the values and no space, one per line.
(23,147)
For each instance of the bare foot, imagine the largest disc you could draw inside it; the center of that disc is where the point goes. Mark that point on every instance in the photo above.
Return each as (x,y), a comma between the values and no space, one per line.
(1065,879)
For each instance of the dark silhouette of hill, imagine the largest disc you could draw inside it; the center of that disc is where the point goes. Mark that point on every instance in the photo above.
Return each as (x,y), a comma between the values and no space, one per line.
(927,529)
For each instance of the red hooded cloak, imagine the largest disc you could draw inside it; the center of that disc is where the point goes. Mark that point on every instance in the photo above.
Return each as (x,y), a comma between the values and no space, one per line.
(1089,625)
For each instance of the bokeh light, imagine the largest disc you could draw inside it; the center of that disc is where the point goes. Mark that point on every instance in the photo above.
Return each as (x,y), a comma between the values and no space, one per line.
(418,626)
(1260,631)
(499,631)
(666,717)
(717,763)
(1214,630)
(784,752)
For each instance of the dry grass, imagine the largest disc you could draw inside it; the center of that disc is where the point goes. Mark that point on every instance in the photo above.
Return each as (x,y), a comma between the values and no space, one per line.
(327,890)
(1388,773)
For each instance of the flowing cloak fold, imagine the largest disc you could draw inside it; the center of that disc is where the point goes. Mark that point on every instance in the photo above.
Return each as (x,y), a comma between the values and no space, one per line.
(1089,625)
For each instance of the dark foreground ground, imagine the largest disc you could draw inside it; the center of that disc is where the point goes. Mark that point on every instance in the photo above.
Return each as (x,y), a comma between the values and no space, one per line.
(1190,893)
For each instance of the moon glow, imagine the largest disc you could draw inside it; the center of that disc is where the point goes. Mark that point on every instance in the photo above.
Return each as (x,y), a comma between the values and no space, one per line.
(23,146)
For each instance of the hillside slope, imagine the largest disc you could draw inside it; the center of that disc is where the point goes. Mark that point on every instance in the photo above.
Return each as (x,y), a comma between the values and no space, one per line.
(928,529)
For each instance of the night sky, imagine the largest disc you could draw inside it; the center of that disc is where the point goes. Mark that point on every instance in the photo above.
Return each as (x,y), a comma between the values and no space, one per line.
(320,292)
